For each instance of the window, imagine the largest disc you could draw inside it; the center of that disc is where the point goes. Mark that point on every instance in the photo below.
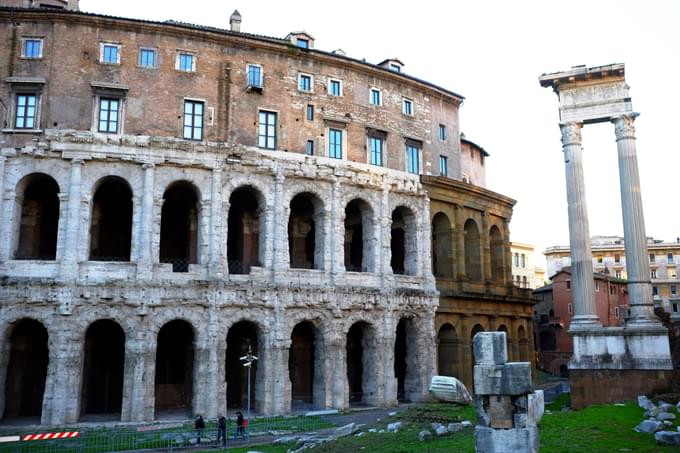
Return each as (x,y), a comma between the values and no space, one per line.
(674,290)
(612,290)
(618,274)
(335,143)
(600,260)
(442,133)
(375,145)
(335,87)
(616,312)
(524,260)
(675,308)
(310,148)
(110,53)
(186,62)
(443,165)
(569,285)
(147,58)
(597,286)
(109,112)
(303,43)
(310,112)
(655,291)
(395,67)
(407,107)
(375,97)
(305,82)
(515,260)
(193,120)
(32,48)
(617,258)
(670,257)
(413,159)
(570,308)
(653,273)
(255,76)
(652,258)
(267,130)
(26,109)
(525,283)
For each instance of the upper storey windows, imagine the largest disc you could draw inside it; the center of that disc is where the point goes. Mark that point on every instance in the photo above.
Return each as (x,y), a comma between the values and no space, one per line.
(193,119)
(186,61)
(407,106)
(267,130)
(301,39)
(147,58)
(109,53)
(255,76)
(375,97)
(303,43)
(305,82)
(335,87)
(31,48)
(25,112)
(109,113)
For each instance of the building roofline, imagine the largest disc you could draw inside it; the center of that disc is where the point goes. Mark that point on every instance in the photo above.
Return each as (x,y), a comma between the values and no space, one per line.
(445,182)
(286,44)
(581,72)
(470,142)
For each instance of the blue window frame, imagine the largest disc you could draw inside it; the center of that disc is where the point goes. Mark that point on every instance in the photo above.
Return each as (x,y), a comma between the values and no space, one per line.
(305,82)
(413,159)
(147,58)
(193,120)
(310,148)
(109,111)
(407,107)
(25,111)
(375,145)
(186,62)
(335,88)
(303,43)
(254,75)
(310,112)
(267,130)
(335,143)
(110,54)
(443,165)
(32,48)
(375,97)
(442,132)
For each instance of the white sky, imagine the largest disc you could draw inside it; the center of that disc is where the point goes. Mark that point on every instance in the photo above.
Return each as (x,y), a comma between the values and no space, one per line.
(492,52)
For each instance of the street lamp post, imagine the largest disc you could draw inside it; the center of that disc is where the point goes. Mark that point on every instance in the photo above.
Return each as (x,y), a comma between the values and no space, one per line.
(248,360)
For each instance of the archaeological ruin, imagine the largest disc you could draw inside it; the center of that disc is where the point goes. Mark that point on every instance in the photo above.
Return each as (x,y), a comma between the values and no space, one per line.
(175,195)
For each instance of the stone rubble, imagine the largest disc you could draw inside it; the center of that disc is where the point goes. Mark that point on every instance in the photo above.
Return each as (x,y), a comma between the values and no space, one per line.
(649,426)
(671,438)
(393,427)
(424,436)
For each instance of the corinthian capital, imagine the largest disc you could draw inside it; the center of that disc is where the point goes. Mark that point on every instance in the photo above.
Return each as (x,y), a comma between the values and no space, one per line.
(571,134)
(623,126)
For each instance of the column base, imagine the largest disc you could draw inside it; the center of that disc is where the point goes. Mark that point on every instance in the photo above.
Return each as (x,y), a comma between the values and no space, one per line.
(584,322)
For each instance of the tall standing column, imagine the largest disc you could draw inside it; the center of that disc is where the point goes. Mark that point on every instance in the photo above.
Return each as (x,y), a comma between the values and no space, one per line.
(579,235)
(72,230)
(216,241)
(144,266)
(637,262)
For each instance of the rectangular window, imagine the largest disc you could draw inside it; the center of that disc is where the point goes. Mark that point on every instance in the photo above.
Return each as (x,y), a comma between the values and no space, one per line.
(395,67)
(303,43)
(570,308)
(25,111)
(597,286)
(568,284)
(375,145)
(32,48)
(616,312)
(305,82)
(193,120)
(267,130)
(674,290)
(599,260)
(443,165)
(655,291)
(375,97)
(147,58)
(524,260)
(618,274)
(310,112)
(413,159)
(617,258)
(335,88)
(653,273)
(310,148)
(109,109)
(335,143)
(255,75)
(515,260)
(186,62)
(110,53)
(442,133)
(670,257)
(407,107)
(652,258)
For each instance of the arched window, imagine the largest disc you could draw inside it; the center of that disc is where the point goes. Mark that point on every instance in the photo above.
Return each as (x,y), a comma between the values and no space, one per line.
(442,262)
(179,227)
(174,367)
(473,252)
(403,241)
(39,218)
(496,240)
(243,241)
(447,351)
(358,237)
(111,227)
(305,232)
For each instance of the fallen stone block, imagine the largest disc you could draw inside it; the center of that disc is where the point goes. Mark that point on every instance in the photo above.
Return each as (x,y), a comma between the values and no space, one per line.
(644,403)
(285,440)
(665,407)
(665,416)
(424,436)
(648,426)
(393,427)
(652,412)
(436,425)
(450,390)
(441,431)
(372,430)
(454,427)
(466,423)
(490,348)
(518,440)
(346,430)
(671,438)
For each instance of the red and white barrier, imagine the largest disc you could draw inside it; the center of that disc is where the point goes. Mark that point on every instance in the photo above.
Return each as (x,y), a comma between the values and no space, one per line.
(47,436)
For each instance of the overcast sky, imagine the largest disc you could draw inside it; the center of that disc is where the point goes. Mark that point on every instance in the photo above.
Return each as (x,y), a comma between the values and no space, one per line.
(492,52)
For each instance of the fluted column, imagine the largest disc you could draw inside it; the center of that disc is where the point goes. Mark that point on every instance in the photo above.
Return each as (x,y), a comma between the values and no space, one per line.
(72,236)
(635,239)
(579,235)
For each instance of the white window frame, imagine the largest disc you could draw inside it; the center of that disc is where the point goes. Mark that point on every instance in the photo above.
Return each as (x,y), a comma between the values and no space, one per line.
(445,160)
(194,57)
(327,146)
(23,47)
(12,111)
(96,102)
(420,159)
(370,96)
(330,81)
(440,129)
(404,102)
(276,125)
(383,154)
(103,45)
(261,81)
(204,120)
(139,57)
(311,82)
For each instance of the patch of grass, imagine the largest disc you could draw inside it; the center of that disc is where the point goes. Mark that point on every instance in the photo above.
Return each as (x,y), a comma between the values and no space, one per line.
(562,400)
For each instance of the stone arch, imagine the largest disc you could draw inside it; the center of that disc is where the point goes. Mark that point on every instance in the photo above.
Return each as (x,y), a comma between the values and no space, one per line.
(442,258)
(447,351)
(473,251)
(306,231)
(242,337)
(403,241)
(111,221)
(179,236)
(496,249)
(523,344)
(26,369)
(175,367)
(502,328)
(406,366)
(362,358)
(38,220)
(303,361)
(358,237)
(103,368)
(245,238)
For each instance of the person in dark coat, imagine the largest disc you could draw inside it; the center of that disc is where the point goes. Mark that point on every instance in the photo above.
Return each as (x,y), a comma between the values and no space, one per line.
(222,430)
(240,431)
(199,426)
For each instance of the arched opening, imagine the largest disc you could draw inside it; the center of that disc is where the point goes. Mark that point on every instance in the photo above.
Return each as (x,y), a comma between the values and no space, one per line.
(111,228)
(243,239)
(502,328)
(175,367)
(564,371)
(103,365)
(358,243)
(473,252)
(523,344)
(546,340)
(39,220)
(242,336)
(26,370)
(442,259)
(179,227)
(496,254)
(405,361)
(400,365)
(447,351)
(361,361)
(301,364)
(403,241)
(305,238)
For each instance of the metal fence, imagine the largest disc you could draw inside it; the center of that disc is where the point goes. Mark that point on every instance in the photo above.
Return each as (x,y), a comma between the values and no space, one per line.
(95,440)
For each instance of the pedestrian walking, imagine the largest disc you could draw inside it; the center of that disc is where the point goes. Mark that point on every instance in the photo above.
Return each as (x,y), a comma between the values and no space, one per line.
(240,423)
(222,430)
(199,426)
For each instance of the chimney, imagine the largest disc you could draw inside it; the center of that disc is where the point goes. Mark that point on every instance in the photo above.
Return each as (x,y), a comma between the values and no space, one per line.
(73,5)
(235,21)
